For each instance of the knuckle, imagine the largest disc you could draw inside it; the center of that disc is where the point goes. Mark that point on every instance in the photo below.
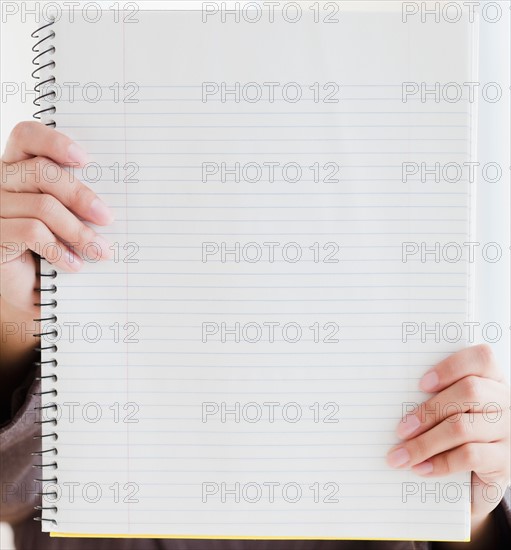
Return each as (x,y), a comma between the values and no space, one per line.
(34,171)
(450,366)
(42,165)
(461,428)
(22,131)
(429,412)
(470,455)
(472,388)
(485,354)
(421,412)
(82,195)
(47,205)
(418,448)
(35,231)
(84,234)
(444,461)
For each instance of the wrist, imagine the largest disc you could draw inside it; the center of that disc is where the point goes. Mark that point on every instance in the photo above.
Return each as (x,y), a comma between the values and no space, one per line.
(17,333)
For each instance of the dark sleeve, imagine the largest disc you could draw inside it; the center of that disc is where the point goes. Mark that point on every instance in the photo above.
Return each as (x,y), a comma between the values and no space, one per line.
(502,516)
(17,441)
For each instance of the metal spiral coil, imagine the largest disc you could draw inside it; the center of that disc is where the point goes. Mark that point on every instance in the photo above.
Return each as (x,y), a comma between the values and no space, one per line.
(42,62)
(47,413)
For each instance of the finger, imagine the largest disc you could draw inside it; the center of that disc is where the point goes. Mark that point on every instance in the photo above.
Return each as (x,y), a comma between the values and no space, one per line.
(33,139)
(20,235)
(57,218)
(476,360)
(41,175)
(468,427)
(489,460)
(470,394)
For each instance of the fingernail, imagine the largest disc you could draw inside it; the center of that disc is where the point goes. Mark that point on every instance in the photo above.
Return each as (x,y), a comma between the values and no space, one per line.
(429,381)
(101,213)
(398,458)
(407,426)
(73,261)
(423,468)
(75,154)
(104,245)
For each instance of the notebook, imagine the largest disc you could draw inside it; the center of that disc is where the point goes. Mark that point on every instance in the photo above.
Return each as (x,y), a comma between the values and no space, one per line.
(287,203)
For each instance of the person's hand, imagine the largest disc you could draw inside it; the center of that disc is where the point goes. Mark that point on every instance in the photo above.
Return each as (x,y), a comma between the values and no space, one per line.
(463,427)
(42,206)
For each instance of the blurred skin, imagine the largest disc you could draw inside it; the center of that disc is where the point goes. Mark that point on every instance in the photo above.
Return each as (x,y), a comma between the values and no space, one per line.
(448,433)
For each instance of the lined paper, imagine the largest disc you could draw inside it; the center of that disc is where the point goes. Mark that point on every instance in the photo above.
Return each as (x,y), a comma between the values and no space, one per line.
(198,314)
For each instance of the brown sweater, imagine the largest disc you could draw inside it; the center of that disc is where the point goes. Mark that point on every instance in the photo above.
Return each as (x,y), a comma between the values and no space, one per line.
(18,500)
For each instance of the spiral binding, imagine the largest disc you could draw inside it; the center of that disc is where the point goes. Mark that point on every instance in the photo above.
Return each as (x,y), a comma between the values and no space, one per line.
(44,63)
(41,65)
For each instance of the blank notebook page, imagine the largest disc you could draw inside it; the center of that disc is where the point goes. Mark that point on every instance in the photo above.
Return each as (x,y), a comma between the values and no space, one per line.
(238,369)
